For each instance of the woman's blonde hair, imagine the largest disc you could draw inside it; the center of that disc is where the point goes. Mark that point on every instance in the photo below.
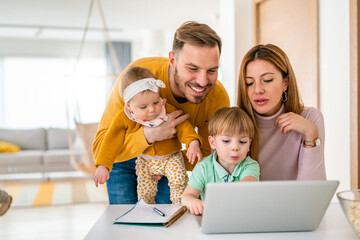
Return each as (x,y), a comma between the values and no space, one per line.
(228,120)
(276,56)
(132,75)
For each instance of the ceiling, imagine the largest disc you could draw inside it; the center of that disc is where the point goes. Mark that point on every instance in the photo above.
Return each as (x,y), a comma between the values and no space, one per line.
(66,19)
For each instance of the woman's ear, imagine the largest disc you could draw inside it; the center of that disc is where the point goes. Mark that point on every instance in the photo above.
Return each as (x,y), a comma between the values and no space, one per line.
(286,84)
(212,142)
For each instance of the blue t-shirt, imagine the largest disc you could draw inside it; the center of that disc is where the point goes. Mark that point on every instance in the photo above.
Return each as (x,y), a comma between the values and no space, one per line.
(209,170)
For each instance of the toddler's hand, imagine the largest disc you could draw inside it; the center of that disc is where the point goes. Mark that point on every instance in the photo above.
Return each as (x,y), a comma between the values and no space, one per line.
(196,206)
(101,175)
(194,151)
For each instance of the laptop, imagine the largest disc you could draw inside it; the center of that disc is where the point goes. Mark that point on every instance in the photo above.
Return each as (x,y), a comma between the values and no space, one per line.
(267,206)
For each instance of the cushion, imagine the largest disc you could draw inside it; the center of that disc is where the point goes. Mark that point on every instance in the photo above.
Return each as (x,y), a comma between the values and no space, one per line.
(60,157)
(58,138)
(6,147)
(26,139)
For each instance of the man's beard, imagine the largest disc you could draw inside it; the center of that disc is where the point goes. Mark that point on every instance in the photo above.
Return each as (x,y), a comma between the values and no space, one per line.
(182,88)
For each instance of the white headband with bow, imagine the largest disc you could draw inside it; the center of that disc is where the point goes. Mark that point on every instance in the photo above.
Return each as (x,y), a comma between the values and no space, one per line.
(142,85)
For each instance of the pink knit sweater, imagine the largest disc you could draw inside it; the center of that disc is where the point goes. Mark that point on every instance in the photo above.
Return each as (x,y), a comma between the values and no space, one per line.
(283,157)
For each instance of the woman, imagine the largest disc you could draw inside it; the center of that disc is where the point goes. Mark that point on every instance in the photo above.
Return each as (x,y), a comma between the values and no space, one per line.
(289,142)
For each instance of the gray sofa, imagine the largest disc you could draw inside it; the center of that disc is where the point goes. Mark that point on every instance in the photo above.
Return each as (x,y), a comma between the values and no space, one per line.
(42,150)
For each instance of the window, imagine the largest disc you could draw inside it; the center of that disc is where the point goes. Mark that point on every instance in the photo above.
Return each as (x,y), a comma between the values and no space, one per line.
(40,92)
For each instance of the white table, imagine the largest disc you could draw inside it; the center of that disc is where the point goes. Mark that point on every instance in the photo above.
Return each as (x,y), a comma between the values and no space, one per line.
(333,226)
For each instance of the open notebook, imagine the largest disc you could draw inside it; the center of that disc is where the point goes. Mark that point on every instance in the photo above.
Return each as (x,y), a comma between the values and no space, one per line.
(266,206)
(152,214)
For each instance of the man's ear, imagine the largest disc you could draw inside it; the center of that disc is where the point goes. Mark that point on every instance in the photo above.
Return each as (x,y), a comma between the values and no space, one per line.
(212,142)
(172,58)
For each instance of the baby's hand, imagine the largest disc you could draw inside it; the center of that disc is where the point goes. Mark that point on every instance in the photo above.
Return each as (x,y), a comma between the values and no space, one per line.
(194,151)
(101,175)
(196,206)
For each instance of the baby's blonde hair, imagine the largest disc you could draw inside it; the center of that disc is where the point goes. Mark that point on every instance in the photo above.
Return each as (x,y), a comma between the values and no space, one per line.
(133,74)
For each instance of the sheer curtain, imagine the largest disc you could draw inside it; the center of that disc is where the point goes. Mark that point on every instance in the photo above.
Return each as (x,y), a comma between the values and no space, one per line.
(123,52)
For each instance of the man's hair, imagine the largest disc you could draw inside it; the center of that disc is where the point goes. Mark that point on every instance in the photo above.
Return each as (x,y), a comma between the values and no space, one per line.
(227,120)
(132,75)
(196,34)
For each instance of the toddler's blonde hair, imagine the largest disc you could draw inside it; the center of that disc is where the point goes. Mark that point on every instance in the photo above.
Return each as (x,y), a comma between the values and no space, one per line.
(227,120)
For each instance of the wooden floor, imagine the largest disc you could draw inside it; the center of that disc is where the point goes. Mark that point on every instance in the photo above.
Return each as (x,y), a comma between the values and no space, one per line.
(62,221)
(55,222)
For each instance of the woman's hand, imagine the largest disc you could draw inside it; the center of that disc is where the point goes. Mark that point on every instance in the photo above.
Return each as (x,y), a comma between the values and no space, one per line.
(291,121)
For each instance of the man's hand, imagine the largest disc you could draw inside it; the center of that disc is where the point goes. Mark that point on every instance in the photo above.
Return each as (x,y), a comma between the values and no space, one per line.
(165,130)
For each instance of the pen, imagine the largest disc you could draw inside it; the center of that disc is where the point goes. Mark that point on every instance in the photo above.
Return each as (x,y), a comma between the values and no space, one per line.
(159,212)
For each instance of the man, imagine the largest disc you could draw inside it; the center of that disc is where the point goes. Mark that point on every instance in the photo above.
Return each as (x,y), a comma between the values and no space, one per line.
(190,75)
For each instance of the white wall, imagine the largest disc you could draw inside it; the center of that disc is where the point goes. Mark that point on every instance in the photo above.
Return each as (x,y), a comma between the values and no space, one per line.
(335,87)
(235,31)
(2,93)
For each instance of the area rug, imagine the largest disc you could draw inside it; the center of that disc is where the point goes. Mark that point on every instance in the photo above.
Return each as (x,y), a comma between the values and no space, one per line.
(47,193)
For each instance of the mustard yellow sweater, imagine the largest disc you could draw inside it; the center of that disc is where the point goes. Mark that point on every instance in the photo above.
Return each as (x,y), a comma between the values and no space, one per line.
(121,125)
(135,142)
